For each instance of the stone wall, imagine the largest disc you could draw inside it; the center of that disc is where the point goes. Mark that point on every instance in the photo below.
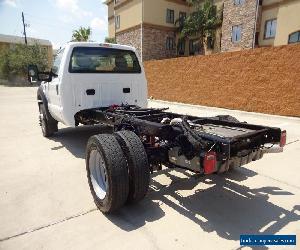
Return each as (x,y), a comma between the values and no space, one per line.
(263,80)
(131,37)
(154,43)
(245,15)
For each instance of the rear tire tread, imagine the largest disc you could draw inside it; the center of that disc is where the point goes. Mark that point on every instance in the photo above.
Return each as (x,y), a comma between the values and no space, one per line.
(138,166)
(117,172)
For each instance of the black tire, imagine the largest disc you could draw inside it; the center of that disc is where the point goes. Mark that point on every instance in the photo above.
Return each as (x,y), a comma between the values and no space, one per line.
(138,166)
(116,171)
(48,127)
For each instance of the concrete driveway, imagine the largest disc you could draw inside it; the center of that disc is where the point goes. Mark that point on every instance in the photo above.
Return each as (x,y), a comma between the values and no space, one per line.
(45,202)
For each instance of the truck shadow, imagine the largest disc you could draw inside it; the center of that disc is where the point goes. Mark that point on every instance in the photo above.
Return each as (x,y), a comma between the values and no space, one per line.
(217,203)
(75,139)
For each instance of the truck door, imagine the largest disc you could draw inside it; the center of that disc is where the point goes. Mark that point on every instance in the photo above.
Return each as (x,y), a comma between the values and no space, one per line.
(54,95)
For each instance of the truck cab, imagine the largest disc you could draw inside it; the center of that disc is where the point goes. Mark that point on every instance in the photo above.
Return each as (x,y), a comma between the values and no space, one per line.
(87,75)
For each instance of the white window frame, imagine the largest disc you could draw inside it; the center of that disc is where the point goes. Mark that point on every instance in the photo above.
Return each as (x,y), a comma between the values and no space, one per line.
(239,2)
(297,33)
(170,43)
(236,36)
(270,28)
(170,16)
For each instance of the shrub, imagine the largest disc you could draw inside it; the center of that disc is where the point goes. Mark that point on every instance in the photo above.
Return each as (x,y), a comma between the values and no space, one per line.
(14,62)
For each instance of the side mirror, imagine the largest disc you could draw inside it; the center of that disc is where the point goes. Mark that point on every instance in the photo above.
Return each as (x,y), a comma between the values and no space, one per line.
(54,69)
(45,76)
(34,75)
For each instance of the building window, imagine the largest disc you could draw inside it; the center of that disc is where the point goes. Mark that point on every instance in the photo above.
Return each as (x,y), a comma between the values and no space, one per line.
(117,22)
(214,10)
(194,47)
(170,43)
(270,28)
(170,16)
(181,47)
(236,33)
(182,17)
(239,2)
(256,38)
(44,49)
(294,37)
(210,42)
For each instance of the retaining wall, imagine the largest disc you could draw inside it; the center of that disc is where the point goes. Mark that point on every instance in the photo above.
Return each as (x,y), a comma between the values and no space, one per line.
(265,80)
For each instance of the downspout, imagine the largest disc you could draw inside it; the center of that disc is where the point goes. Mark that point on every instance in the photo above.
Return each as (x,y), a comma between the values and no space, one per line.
(142,30)
(115,23)
(254,31)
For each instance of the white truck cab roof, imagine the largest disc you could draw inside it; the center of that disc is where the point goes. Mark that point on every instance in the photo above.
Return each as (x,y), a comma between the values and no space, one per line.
(97,44)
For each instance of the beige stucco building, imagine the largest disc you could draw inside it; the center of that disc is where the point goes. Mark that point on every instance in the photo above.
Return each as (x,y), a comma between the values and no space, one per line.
(287,16)
(151,27)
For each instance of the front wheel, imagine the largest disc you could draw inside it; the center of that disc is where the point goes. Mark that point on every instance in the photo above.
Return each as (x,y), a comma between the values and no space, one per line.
(48,128)
(107,172)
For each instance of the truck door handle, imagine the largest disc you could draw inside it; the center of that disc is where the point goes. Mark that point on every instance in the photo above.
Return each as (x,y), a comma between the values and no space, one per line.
(90,92)
(56,87)
(126,90)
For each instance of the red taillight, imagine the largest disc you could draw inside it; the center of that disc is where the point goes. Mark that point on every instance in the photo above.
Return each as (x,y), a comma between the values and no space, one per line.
(283,138)
(210,162)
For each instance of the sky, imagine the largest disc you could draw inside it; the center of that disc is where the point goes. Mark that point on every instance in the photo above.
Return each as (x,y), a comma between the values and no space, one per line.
(53,20)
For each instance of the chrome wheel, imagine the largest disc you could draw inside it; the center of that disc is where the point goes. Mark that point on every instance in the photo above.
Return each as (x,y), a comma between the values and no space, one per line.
(98,174)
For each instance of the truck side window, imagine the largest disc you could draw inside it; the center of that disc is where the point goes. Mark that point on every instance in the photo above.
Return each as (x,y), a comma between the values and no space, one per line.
(57,61)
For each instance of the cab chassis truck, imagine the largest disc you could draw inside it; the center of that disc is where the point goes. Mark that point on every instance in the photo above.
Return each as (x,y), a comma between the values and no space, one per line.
(144,139)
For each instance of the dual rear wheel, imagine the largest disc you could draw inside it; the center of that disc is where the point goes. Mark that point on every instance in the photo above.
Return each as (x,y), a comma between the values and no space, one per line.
(117,169)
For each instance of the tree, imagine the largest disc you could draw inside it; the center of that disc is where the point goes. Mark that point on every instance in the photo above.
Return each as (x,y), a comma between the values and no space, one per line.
(14,62)
(110,40)
(202,23)
(81,35)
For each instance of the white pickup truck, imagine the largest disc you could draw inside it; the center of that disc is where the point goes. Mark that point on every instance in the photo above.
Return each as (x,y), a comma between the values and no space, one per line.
(95,83)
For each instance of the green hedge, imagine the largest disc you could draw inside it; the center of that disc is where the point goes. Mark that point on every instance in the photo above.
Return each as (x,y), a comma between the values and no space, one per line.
(14,62)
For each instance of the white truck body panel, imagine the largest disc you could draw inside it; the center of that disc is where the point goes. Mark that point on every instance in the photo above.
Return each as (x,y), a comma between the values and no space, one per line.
(66,94)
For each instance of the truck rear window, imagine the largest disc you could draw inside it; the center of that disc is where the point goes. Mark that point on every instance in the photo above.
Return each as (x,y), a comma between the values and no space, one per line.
(103,60)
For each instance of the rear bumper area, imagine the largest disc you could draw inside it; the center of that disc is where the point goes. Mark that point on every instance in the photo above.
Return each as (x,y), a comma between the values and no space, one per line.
(237,161)
(255,155)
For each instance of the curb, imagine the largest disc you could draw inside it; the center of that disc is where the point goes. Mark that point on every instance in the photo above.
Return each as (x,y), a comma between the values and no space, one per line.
(216,109)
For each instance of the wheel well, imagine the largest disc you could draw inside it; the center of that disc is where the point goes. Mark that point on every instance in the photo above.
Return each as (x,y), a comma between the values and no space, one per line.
(42,100)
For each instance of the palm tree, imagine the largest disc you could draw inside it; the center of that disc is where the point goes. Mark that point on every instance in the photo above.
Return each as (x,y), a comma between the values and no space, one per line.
(81,35)
(202,23)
